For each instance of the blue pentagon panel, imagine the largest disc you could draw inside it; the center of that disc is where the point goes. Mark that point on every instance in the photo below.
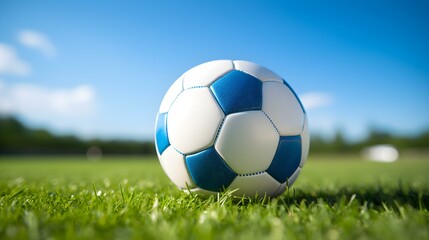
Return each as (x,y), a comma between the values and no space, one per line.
(287,158)
(161,136)
(294,93)
(209,171)
(238,91)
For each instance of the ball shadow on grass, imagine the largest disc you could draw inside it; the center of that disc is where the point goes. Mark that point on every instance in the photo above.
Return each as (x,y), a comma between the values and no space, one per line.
(374,197)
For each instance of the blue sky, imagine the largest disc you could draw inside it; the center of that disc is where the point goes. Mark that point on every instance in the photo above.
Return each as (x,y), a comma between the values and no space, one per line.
(100,69)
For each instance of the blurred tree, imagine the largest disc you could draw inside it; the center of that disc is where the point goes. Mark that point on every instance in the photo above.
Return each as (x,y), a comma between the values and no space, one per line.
(15,138)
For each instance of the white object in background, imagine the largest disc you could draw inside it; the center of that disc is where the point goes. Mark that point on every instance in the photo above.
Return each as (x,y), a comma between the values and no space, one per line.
(381,153)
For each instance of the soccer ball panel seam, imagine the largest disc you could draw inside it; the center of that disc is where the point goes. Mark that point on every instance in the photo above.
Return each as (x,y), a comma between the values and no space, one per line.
(271,121)
(177,150)
(251,174)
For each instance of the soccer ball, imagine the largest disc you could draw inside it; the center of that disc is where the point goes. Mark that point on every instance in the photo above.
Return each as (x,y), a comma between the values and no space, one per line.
(232,125)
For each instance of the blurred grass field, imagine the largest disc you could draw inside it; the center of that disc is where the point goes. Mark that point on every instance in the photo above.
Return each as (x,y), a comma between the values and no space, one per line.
(336,197)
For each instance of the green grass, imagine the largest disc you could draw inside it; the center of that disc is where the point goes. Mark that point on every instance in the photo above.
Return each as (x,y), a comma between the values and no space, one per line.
(131,198)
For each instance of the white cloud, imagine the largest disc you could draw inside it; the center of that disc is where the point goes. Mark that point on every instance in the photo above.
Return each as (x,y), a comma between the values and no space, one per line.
(37,40)
(41,103)
(10,62)
(314,100)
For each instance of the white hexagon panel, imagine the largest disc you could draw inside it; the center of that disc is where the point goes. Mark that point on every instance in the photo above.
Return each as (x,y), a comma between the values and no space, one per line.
(206,73)
(247,142)
(173,164)
(258,184)
(283,108)
(193,120)
(258,71)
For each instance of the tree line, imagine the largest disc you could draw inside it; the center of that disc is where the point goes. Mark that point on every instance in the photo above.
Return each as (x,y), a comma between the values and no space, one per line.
(16,138)
(339,144)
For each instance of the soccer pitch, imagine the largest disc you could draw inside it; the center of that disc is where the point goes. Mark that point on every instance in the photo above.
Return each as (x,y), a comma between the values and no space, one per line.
(336,197)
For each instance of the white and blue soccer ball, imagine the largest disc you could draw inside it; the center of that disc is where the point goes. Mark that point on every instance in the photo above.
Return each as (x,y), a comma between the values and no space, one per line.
(232,125)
